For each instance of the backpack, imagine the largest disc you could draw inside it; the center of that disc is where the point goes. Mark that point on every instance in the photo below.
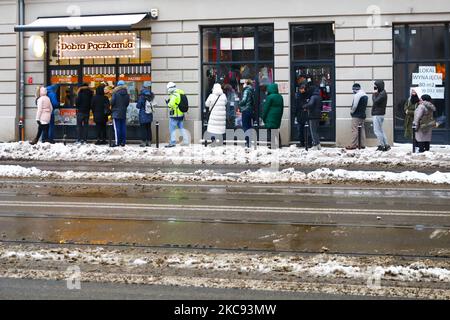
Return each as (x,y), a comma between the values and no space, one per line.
(183,106)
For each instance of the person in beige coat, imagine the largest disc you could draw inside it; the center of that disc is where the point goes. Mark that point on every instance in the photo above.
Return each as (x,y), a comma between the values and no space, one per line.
(43,115)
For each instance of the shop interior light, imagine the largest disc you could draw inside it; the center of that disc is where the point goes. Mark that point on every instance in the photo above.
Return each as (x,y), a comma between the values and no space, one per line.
(36,46)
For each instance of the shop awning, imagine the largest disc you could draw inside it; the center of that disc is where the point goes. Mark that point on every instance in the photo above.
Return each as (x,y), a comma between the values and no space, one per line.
(84,23)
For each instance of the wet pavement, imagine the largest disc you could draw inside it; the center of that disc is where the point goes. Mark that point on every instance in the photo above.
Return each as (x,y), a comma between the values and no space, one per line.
(332,219)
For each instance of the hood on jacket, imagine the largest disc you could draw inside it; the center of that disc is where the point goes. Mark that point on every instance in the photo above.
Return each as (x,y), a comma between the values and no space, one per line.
(315,91)
(100,91)
(52,88)
(42,91)
(380,85)
(272,88)
(121,90)
(217,89)
(429,106)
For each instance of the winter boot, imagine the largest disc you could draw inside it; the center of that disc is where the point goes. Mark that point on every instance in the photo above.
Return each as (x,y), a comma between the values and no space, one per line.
(380,148)
(387,148)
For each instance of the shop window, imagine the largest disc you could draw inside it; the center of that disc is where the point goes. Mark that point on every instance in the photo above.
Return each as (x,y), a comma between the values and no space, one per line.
(209,45)
(421,62)
(427,42)
(400,45)
(313,42)
(242,51)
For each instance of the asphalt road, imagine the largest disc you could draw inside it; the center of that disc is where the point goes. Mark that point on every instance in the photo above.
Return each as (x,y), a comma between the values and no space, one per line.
(30,289)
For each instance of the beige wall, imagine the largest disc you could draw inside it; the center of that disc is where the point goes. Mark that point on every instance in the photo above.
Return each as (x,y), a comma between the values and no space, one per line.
(363,53)
(8,76)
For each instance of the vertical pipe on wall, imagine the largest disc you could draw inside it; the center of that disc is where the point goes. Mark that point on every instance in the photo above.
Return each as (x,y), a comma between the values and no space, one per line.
(21,7)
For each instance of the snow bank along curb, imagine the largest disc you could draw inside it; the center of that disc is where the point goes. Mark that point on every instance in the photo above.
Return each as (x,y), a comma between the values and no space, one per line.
(323,175)
(398,156)
(319,266)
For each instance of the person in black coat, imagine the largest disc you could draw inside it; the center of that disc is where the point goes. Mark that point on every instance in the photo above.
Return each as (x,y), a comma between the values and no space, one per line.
(83,105)
(314,108)
(101,110)
(301,98)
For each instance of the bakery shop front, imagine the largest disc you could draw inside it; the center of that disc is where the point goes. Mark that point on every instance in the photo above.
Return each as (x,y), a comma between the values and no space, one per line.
(95,50)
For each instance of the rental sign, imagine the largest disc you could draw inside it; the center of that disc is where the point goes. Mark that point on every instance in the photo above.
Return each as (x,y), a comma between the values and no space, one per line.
(99,45)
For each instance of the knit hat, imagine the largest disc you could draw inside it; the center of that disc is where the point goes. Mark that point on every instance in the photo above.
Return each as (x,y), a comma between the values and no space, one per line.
(356,87)
(426,97)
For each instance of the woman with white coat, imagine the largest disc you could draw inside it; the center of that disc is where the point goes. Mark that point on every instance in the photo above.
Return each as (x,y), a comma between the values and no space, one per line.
(43,115)
(216,104)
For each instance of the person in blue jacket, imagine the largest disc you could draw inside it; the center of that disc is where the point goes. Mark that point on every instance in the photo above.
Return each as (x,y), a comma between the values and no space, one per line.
(53,96)
(145,115)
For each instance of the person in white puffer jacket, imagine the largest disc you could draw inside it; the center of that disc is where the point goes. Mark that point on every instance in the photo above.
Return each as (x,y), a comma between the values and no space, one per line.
(217,102)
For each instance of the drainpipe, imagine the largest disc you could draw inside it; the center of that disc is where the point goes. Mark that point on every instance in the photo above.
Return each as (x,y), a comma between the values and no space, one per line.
(21,5)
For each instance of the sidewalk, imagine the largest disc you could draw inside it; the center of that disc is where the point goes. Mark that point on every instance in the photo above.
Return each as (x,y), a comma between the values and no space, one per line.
(231,164)
(399,157)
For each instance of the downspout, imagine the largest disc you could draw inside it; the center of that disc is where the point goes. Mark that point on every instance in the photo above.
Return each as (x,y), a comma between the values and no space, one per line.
(21,73)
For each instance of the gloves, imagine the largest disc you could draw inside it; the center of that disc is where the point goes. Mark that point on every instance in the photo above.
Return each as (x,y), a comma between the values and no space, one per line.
(38,122)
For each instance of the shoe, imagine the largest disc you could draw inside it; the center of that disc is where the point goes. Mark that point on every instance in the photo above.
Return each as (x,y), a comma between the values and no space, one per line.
(51,141)
(98,142)
(148,144)
(387,148)
(122,144)
(169,146)
(380,148)
(103,142)
(351,147)
(34,141)
(316,147)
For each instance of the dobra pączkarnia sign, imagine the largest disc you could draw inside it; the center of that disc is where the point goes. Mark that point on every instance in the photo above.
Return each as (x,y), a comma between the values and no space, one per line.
(100,45)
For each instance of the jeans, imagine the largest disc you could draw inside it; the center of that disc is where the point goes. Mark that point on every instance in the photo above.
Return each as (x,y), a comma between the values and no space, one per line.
(247,117)
(174,123)
(82,126)
(314,127)
(120,131)
(378,130)
(146,132)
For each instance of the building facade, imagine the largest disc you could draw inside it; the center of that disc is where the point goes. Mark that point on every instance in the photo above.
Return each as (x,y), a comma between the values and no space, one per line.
(197,43)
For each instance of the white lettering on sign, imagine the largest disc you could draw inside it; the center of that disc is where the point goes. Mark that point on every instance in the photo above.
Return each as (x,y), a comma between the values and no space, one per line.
(113,45)
(427,69)
(426,81)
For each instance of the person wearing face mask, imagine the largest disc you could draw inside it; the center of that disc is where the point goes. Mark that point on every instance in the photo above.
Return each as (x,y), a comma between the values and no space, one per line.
(358,113)
(379,99)
(410,107)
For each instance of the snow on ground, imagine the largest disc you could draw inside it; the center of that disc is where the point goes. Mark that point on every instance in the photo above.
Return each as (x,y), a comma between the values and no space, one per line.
(290,175)
(326,266)
(399,156)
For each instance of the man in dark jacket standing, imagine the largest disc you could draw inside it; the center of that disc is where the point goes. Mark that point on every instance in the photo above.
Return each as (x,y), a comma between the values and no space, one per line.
(101,110)
(358,113)
(301,115)
(379,98)
(145,101)
(83,104)
(119,104)
(53,96)
(314,108)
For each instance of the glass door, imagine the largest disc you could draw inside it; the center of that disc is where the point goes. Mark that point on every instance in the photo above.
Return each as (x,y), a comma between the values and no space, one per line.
(316,76)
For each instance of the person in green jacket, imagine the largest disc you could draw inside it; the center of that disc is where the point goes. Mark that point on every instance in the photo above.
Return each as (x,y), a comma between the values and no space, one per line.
(273,108)
(410,107)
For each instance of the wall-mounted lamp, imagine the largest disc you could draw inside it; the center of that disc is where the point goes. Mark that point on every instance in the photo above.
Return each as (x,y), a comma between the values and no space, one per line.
(36,46)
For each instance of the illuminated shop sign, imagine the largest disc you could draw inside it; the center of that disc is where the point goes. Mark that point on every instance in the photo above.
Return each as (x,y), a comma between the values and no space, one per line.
(100,45)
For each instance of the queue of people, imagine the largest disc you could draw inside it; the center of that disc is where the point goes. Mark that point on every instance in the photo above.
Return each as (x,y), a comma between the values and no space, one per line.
(307,111)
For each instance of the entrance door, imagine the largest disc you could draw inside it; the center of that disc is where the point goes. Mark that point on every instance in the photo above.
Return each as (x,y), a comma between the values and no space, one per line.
(319,76)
